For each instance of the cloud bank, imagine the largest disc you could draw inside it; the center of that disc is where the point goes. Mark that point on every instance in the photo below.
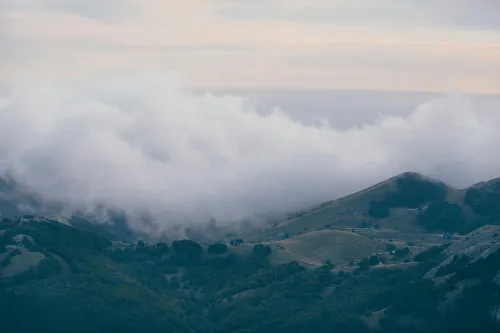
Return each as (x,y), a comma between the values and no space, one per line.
(141,142)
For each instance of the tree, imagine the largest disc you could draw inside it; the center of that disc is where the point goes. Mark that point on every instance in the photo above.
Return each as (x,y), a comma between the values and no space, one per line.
(159,249)
(187,251)
(261,251)
(329,264)
(413,191)
(433,253)
(401,253)
(364,264)
(217,248)
(236,242)
(484,200)
(374,260)
(389,247)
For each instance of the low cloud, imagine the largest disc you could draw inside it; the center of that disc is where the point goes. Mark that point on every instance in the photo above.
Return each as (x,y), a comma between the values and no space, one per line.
(140,142)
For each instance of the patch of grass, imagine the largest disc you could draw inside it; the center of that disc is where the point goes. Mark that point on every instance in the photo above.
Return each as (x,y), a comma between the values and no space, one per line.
(334,245)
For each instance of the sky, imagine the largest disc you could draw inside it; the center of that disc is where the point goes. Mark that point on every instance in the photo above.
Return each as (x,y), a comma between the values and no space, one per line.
(440,46)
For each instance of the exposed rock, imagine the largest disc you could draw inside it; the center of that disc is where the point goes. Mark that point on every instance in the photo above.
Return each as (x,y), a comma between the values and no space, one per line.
(59,218)
(489,251)
(475,246)
(22,262)
(486,234)
(433,272)
(495,314)
(20,239)
(497,278)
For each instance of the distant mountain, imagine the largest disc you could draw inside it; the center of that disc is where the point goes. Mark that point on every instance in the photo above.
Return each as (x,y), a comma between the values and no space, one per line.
(16,201)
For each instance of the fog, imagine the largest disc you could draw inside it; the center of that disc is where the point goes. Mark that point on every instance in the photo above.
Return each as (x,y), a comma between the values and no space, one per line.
(142,143)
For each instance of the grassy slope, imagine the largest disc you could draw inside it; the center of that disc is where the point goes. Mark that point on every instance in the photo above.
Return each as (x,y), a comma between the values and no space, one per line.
(334,245)
(331,230)
(350,211)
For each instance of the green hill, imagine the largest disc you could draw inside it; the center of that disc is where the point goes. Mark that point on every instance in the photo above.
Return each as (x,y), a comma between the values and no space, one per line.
(402,196)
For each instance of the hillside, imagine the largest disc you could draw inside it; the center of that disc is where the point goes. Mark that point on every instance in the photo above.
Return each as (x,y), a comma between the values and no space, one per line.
(338,247)
(58,276)
(410,203)
(387,275)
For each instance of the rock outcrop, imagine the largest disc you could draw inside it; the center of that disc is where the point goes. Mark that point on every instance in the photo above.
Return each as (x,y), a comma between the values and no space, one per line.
(477,245)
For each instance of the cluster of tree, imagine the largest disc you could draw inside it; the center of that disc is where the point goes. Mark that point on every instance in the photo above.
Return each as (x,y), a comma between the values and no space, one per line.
(236,242)
(402,253)
(389,247)
(378,210)
(217,248)
(442,216)
(369,225)
(411,192)
(433,254)
(261,251)
(484,200)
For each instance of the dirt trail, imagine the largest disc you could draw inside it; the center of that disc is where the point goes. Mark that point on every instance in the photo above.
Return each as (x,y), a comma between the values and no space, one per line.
(300,258)
(306,260)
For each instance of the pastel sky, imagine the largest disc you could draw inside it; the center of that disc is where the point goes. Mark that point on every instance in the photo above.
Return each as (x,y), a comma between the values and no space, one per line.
(418,45)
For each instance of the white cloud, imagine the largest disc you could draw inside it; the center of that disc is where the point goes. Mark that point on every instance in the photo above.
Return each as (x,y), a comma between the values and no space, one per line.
(141,142)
